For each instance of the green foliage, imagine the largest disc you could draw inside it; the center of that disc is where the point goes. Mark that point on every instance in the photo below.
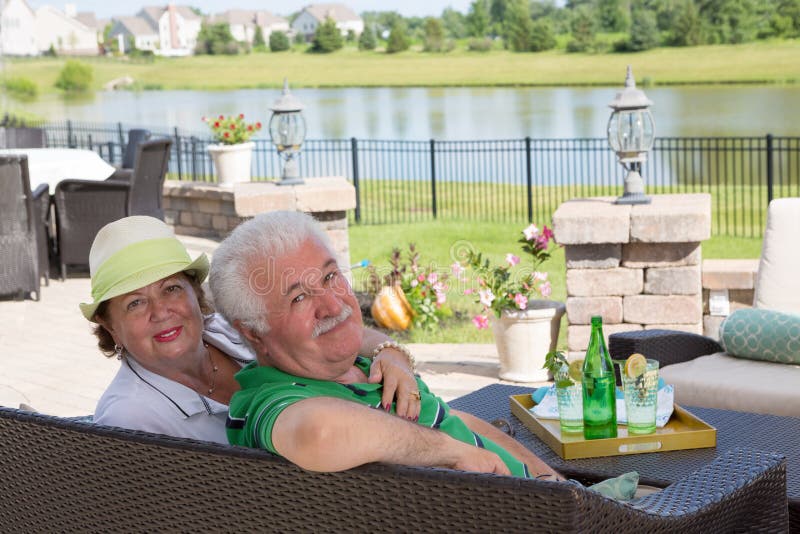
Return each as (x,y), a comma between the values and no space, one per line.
(74,77)
(299,39)
(518,26)
(584,31)
(729,21)
(259,44)
(51,52)
(21,88)
(478,18)
(434,35)
(216,39)
(278,42)
(685,26)
(327,38)
(542,36)
(644,32)
(398,39)
(367,39)
(454,23)
(612,15)
(479,45)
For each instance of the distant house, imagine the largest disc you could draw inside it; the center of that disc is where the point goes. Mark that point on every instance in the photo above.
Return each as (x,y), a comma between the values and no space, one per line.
(64,33)
(243,23)
(312,16)
(133,30)
(90,21)
(176,26)
(17,23)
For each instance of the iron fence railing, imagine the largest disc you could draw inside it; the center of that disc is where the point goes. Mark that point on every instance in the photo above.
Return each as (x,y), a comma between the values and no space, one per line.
(498,180)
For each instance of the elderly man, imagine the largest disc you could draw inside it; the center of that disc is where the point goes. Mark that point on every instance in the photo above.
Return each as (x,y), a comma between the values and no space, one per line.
(307,399)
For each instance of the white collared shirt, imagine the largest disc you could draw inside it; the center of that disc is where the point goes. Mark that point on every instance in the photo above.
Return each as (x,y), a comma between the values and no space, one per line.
(139,399)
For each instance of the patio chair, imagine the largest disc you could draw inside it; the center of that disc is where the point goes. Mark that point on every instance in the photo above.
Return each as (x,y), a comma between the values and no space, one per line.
(23,138)
(67,475)
(124,171)
(20,233)
(703,374)
(147,181)
(83,207)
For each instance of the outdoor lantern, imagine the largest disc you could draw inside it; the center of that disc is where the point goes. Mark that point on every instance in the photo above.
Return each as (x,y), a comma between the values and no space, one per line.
(631,132)
(287,130)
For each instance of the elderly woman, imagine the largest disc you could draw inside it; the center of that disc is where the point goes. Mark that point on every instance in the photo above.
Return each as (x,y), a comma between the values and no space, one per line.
(178,358)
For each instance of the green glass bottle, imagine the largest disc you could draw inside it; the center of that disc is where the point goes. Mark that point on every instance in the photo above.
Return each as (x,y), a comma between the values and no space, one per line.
(599,384)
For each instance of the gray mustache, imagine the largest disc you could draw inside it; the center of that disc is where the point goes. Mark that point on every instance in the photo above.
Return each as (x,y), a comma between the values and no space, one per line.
(330,323)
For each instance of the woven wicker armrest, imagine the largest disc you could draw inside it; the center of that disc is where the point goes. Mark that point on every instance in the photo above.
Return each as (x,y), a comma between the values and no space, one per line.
(666,346)
(743,489)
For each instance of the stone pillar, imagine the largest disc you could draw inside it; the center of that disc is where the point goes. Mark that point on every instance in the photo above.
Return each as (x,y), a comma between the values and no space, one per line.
(636,266)
(208,210)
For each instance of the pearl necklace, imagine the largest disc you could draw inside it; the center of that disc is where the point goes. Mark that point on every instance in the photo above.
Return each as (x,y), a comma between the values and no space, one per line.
(214,369)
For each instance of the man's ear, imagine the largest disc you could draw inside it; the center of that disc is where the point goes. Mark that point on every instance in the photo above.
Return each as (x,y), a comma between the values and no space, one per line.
(251,337)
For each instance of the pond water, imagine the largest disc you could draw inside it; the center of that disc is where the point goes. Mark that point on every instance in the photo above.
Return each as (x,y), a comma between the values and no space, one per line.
(451,113)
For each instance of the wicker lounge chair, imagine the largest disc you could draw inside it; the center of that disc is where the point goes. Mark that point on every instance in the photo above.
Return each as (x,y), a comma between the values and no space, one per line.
(63,475)
(147,182)
(23,246)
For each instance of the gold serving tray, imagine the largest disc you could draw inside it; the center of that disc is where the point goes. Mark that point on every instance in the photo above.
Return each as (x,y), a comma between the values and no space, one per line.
(683,431)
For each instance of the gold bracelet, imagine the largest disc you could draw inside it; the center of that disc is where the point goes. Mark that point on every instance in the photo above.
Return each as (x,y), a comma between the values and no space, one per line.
(397,346)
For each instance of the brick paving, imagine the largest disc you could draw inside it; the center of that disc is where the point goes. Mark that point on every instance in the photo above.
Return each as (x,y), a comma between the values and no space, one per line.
(50,361)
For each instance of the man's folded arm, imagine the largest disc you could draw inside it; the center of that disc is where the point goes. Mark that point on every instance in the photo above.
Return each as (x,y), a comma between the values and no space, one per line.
(329,434)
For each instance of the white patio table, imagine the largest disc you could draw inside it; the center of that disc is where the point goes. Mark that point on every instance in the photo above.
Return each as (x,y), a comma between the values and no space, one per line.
(51,165)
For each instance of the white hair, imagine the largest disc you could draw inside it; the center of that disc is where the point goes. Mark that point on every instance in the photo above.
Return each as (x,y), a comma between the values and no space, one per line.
(246,252)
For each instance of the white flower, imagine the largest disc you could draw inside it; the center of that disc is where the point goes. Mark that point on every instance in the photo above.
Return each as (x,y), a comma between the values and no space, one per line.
(531,232)
(486,297)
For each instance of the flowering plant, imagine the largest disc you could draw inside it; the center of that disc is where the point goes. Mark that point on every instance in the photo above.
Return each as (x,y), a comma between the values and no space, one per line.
(232,130)
(424,288)
(500,288)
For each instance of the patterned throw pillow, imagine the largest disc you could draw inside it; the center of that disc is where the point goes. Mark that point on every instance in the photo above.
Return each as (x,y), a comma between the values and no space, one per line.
(765,335)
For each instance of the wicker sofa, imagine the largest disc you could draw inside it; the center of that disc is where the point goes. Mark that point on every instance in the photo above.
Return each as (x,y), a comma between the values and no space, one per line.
(703,374)
(66,475)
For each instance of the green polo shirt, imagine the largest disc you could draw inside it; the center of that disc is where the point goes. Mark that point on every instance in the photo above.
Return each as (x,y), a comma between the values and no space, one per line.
(266,392)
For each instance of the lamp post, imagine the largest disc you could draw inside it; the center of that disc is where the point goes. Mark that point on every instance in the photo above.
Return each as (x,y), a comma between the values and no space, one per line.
(631,132)
(287,130)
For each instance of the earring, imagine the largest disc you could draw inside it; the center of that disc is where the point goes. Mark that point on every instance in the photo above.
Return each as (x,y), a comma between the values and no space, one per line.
(118,351)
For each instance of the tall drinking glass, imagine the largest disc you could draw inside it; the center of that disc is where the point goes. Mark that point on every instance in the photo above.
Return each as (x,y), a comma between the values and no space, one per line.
(641,395)
(569,394)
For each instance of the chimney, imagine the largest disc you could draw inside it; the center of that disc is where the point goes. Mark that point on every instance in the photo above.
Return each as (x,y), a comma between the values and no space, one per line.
(173,27)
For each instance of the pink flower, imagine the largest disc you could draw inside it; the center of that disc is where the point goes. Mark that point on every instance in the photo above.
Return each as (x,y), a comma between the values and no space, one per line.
(521,300)
(545,289)
(432,278)
(421,278)
(441,298)
(480,322)
(531,232)
(547,232)
(438,287)
(457,269)
(539,275)
(414,283)
(486,297)
(469,291)
(511,259)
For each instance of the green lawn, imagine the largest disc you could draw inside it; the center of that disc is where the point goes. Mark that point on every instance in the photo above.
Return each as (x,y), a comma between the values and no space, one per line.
(759,62)
(438,242)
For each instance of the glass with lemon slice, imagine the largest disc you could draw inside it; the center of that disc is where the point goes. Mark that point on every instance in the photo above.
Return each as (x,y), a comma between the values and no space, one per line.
(640,388)
(569,394)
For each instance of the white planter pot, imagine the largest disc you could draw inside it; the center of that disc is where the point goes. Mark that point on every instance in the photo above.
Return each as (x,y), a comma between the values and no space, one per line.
(524,337)
(232,162)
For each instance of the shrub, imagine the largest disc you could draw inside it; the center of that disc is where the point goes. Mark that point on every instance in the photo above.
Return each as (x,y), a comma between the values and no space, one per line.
(22,88)
(259,45)
(74,77)
(327,38)
(479,45)
(398,40)
(279,42)
(367,40)
(542,36)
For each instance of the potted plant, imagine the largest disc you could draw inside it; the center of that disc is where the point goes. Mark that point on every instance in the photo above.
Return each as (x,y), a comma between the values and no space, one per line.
(525,327)
(409,295)
(233,152)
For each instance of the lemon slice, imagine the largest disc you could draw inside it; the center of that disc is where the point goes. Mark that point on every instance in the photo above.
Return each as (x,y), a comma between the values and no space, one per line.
(635,365)
(575,370)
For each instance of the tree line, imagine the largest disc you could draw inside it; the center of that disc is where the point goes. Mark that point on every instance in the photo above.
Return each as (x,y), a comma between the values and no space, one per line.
(537,25)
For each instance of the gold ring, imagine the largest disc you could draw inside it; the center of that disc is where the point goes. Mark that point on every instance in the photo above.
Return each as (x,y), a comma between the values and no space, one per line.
(415,394)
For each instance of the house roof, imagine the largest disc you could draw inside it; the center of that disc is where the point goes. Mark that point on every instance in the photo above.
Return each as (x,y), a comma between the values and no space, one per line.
(88,19)
(65,19)
(135,25)
(338,12)
(247,17)
(153,13)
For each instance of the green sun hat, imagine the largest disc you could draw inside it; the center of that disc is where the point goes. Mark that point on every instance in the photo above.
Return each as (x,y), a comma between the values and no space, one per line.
(133,252)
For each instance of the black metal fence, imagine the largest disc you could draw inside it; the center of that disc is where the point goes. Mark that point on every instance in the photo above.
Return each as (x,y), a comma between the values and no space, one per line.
(513,180)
